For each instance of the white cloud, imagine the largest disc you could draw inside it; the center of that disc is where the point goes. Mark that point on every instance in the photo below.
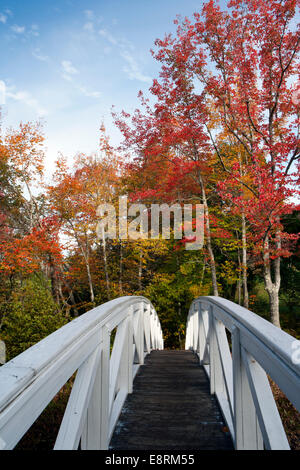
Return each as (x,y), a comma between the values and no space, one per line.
(3,18)
(132,68)
(89,14)
(18,29)
(26,98)
(104,33)
(39,56)
(89,94)
(91,20)
(68,70)
(89,26)
(34,30)
(68,74)
(67,77)
(107,50)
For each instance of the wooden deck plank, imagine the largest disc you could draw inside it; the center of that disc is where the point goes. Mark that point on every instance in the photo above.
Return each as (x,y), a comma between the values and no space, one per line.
(171,408)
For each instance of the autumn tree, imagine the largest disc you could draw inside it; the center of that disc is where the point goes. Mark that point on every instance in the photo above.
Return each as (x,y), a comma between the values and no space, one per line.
(229,73)
(75,198)
(29,237)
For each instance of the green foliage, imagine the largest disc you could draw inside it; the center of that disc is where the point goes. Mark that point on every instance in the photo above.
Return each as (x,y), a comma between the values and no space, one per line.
(30,316)
(168,303)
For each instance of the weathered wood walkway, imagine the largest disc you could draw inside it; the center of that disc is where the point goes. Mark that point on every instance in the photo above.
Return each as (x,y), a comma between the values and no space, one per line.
(171,408)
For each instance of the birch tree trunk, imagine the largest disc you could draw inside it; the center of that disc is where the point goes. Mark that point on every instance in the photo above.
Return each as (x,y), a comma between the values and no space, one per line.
(87,264)
(272,287)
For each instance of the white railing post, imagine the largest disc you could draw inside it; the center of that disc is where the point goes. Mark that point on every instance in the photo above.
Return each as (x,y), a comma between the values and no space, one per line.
(156,333)
(90,438)
(130,349)
(151,328)
(95,433)
(191,332)
(147,329)
(215,367)
(247,432)
(104,415)
(195,327)
(141,332)
(267,413)
(202,336)
(187,333)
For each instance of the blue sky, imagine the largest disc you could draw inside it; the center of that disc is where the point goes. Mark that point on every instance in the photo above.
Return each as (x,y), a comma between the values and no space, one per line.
(69,61)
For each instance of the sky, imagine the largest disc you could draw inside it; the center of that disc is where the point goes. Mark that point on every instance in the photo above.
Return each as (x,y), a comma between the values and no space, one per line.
(68,62)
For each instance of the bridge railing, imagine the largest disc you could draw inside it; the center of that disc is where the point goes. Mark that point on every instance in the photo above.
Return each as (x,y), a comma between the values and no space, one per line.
(104,374)
(238,375)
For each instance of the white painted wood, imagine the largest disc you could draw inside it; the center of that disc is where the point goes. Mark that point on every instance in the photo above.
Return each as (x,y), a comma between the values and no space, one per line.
(226,411)
(216,375)
(272,337)
(247,432)
(20,371)
(147,329)
(17,417)
(103,395)
(226,363)
(151,330)
(141,331)
(135,370)
(117,408)
(137,337)
(280,371)
(201,334)
(115,361)
(267,412)
(204,327)
(206,368)
(187,334)
(271,349)
(195,327)
(73,421)
(130,352)
(95,432)
(32,379)
(155,330)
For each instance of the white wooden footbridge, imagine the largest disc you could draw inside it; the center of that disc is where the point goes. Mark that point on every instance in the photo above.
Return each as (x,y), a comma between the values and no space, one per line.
(124,376)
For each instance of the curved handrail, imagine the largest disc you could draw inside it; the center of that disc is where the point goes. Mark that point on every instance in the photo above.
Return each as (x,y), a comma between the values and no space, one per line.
(239,379)
(32,379)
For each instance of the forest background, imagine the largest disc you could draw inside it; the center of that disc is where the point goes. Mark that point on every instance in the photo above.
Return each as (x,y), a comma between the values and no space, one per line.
(224,132)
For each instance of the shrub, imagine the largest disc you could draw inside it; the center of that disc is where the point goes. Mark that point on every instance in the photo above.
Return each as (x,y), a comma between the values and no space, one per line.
(31,315)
